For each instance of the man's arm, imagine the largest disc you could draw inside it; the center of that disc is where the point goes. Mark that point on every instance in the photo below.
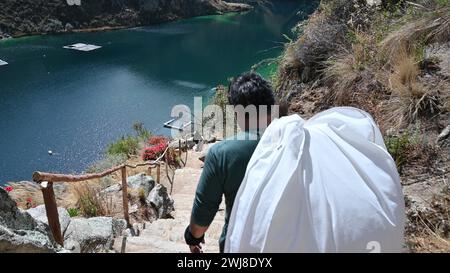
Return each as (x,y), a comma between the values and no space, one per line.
(207,200)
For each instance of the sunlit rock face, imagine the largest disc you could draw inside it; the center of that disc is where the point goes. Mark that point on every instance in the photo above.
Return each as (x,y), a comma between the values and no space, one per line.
(20,232)
(22,17)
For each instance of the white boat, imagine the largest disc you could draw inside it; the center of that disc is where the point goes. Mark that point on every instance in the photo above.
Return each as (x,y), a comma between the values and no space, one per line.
(82,47)
(3,63)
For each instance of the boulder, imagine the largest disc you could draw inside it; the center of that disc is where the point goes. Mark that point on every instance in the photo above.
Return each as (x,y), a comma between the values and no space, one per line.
(93,234)
(20,232)
(160,200)
(118,225)
(143,181)
(39,214)
(68,27)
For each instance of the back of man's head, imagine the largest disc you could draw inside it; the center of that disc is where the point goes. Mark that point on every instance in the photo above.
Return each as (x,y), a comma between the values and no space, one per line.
(250,89)
(253,98)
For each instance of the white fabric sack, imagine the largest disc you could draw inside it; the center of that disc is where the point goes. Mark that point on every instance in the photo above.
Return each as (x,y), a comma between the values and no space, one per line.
(323,185)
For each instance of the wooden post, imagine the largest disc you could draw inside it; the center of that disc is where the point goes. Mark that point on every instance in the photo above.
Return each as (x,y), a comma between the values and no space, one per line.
(167,173)
(179,149)
(158,173)
(124,244)
(186,155)
(125,195)
(52,212)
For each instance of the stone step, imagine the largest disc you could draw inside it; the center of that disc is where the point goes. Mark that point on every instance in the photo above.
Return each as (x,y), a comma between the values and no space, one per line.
(153,244)
(156,244)
(167,235)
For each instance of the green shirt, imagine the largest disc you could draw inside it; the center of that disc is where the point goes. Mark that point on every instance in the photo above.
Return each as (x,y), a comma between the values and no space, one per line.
(223,172)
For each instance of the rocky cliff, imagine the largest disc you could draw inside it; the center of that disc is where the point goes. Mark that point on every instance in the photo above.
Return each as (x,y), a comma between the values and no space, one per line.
(20,232)
(390,58)
(24,17)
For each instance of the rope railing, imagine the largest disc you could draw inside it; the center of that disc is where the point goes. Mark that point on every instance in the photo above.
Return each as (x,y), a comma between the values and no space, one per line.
(46,180)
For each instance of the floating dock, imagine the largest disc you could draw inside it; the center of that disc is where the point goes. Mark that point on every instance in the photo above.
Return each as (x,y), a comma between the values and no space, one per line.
(3,63)
(169,125)
(82,47)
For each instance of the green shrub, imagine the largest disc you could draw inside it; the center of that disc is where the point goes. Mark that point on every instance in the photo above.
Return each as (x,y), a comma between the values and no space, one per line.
(398,148)
(125,146)
(408,147)
(141,131)
(73,212)
(443,3)
(130,145)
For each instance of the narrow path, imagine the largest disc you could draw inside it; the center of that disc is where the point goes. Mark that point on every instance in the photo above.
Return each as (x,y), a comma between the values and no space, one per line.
(167,235)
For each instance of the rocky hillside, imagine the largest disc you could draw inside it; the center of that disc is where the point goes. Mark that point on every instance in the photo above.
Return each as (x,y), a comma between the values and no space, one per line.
(26,230)
(392,59)
(24,17)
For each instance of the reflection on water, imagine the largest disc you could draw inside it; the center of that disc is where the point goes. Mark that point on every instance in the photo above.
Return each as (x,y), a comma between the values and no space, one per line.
(192,85)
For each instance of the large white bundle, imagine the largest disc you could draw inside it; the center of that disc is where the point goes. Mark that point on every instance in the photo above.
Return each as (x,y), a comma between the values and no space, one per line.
(323,185)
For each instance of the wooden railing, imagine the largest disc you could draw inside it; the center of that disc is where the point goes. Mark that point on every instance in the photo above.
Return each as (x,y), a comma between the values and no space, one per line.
(46,181)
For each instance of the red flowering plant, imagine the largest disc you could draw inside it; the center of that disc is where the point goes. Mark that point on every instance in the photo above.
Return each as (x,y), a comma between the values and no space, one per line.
(158,145)
(8,188)
(155,140)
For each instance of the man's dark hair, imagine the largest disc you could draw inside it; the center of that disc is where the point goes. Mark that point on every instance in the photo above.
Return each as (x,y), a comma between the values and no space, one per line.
(250,89)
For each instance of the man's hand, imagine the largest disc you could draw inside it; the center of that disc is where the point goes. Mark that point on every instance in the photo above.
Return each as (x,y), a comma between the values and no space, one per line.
(195,244)
(197,248)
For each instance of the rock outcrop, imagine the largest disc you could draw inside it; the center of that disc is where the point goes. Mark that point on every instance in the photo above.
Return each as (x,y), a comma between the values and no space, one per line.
(92,234)
(141,181)
(160,200)
(24,17)
(39,214)
(20,232)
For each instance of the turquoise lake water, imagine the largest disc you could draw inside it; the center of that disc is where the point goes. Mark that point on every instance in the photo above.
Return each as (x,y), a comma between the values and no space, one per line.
(75,103)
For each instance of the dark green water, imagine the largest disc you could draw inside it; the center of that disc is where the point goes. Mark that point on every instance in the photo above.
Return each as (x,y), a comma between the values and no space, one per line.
(75,103)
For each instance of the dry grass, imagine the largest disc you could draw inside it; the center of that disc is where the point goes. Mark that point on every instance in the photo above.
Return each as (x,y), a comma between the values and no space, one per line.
(64,194)
(427,242)
(305,58)
(411,99)
(351,76)
(344,71)
(434,27)
(22,191)
(92,202)
(342,74)
(432,228)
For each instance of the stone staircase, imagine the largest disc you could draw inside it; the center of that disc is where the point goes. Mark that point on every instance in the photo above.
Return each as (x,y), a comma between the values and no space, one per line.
(167,235)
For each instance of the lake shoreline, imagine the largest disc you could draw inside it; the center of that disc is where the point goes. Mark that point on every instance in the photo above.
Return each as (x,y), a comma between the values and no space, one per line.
(87,30)
(95,19)
(103,28)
